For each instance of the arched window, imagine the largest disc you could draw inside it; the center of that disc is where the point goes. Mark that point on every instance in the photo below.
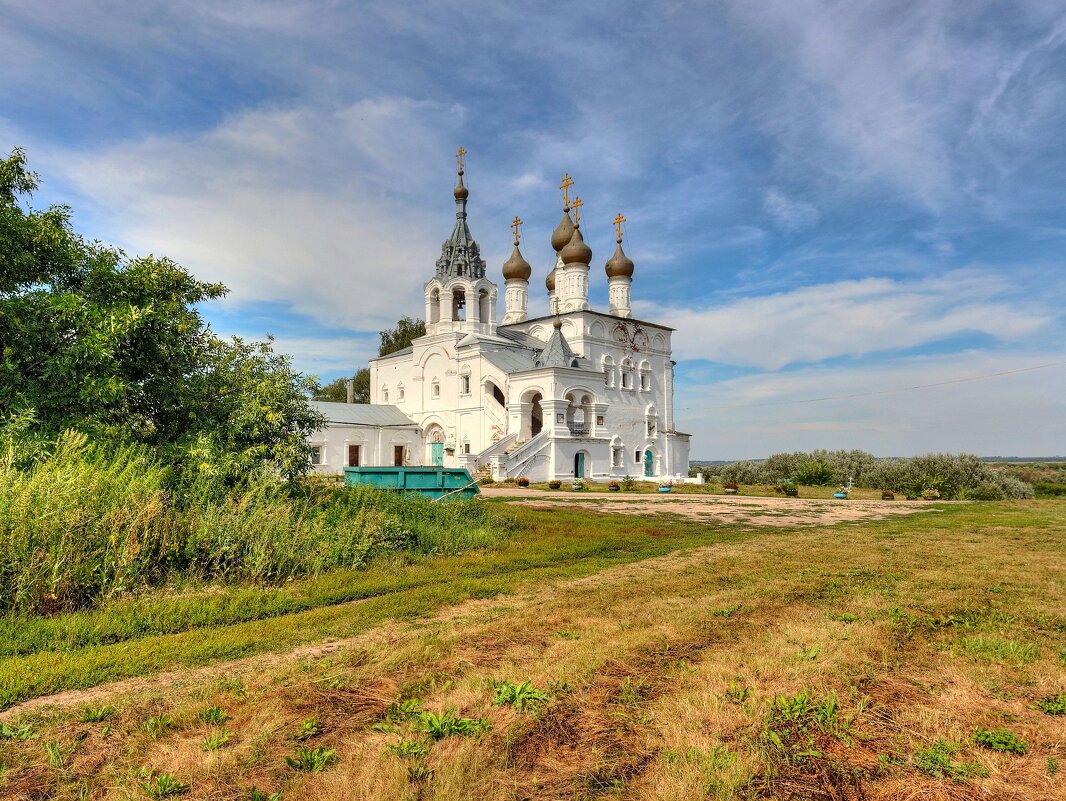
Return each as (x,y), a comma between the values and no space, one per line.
(435,388)
(607,364)
(464,383)
(645,376)
(399,392)
(384,394)
(627,373)
(651,421)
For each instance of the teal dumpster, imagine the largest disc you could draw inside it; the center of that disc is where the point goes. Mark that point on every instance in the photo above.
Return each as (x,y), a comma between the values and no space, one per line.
(429,482)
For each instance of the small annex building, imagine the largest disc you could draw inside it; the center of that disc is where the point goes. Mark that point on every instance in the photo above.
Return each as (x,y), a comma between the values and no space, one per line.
(365,434)
(580,393)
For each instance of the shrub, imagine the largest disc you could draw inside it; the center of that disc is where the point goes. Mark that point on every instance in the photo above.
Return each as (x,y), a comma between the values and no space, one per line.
(815,473)
(985,491)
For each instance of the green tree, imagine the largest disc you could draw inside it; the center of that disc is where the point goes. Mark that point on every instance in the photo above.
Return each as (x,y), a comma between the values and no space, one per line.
(94,340)
(337,389)
(406,331)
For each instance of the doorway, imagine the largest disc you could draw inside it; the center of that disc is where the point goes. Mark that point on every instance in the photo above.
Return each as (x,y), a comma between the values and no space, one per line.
(437,453)
(579,464)
(353,456)
(649,464)
(397,455)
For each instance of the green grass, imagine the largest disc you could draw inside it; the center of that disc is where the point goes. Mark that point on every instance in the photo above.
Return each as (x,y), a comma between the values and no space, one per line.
(991,648)
(165,631)
(937,760)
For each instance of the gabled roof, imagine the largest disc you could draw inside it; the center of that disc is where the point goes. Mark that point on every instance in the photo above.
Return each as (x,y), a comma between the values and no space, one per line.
(364,414)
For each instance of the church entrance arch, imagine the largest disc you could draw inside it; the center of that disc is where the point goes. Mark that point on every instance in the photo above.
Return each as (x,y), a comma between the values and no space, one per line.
(435,443)
(649,464)
(579,464)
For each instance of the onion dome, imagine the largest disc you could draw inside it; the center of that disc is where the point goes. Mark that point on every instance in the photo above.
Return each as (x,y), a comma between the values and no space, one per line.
(549,282)
(517,267)
(563,231)
(576,251)
(461,192)
(619,264)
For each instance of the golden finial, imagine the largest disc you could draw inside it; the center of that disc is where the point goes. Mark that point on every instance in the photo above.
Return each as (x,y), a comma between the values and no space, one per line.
(565,186)
(618,227)
(459,158)
(576,206)
(515,225)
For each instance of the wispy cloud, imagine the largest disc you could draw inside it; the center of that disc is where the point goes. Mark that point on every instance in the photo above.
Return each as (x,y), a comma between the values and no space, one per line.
(852,318)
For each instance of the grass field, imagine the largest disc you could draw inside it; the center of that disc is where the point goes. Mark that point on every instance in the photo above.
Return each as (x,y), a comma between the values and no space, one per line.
(590,655)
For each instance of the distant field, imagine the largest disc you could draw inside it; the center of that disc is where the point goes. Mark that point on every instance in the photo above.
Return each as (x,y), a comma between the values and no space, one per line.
(893,656)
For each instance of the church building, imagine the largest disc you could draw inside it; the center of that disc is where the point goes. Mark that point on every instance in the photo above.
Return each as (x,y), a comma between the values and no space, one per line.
(580,393)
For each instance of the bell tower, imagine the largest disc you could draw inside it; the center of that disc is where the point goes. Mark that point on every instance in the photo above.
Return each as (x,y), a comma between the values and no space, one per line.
(459,297)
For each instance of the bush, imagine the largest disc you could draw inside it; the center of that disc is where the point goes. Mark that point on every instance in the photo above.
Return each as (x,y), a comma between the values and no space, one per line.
(815,474)
(952,475)
(985,491)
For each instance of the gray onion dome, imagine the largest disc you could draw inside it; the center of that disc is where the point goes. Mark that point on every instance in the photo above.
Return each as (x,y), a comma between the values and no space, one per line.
(619,264)
(517,267)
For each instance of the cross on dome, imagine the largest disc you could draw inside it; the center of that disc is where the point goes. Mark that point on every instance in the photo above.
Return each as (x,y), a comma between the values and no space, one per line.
(515,225)
(618,227)
(565,186)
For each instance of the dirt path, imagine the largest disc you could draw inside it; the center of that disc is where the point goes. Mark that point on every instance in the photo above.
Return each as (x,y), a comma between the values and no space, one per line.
(390,632)
(756,511)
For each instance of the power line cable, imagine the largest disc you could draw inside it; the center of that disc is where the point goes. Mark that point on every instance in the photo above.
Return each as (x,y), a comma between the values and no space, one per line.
(878,392)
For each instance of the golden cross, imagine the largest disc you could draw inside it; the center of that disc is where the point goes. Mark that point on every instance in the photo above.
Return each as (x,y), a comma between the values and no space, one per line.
(618,225)
(565,186)
(515,225)
(459,157)
(576,206)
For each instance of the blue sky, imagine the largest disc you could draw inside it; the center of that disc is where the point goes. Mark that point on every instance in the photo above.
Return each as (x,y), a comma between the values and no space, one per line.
(827,200)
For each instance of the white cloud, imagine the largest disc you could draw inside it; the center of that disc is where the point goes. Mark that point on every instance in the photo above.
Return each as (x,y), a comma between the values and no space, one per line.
(307,207)
(851,318)
(1019,413)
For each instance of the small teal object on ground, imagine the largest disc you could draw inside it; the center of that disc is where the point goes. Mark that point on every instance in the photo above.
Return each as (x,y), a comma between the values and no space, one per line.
(664,489)
(841,495)
(429,482)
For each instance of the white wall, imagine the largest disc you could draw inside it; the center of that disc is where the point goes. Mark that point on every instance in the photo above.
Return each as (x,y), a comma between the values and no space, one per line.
(375,446)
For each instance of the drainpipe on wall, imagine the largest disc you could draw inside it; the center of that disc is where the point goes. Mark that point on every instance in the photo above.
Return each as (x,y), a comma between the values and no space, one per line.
(349,386)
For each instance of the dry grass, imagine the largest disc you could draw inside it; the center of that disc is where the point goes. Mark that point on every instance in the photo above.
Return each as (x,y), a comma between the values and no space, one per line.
(663,674)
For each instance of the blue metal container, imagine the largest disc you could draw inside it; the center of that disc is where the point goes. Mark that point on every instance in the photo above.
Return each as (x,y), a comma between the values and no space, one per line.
(429,482)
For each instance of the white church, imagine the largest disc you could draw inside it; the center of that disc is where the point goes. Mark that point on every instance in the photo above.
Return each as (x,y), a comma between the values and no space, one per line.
(580,393)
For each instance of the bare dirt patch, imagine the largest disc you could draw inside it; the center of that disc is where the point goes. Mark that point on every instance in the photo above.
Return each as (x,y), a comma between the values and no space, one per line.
(777,512)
